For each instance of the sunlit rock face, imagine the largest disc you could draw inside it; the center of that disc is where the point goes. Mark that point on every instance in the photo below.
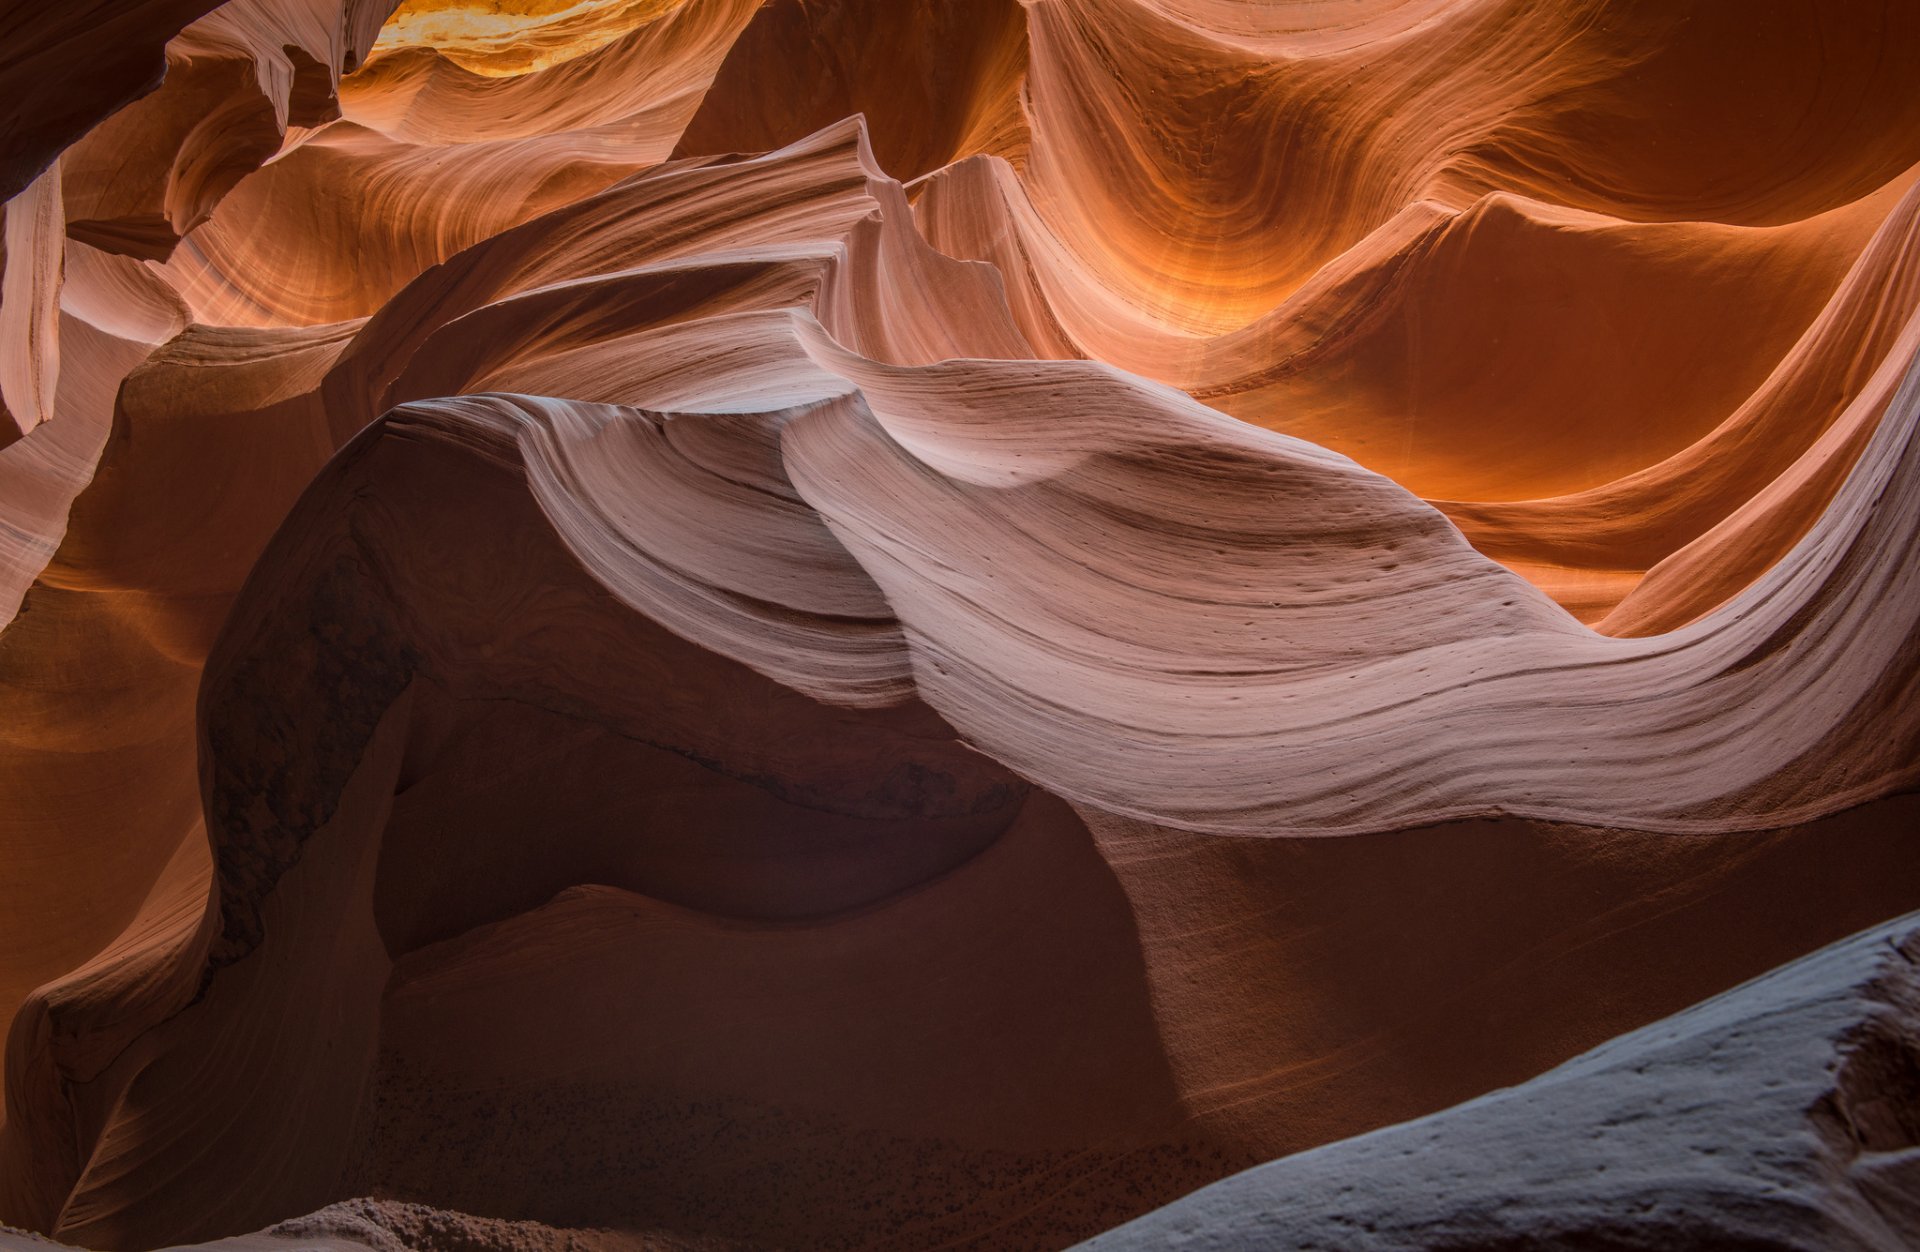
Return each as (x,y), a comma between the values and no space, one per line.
(719,624)
(503,38)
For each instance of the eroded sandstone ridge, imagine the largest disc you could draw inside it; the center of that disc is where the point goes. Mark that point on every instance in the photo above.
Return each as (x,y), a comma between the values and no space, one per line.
(933,623)
(1784,1114)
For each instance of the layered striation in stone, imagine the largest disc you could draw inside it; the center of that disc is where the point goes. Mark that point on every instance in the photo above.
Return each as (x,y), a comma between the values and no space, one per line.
(918,623)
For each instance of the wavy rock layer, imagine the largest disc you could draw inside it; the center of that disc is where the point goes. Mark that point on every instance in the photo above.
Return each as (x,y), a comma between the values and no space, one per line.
(924,624)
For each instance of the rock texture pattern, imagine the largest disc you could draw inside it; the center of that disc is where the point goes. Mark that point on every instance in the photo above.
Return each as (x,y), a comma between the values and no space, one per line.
(1783,1114)
(1778,1115)
(920,623)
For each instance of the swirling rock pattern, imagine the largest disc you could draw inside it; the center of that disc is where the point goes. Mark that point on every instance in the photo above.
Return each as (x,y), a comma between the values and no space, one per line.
(903,623)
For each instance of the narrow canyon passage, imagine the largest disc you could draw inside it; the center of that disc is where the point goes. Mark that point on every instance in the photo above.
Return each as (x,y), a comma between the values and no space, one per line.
(750,625)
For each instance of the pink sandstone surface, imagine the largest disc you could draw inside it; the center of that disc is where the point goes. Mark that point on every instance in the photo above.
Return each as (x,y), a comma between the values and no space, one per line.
(762,624)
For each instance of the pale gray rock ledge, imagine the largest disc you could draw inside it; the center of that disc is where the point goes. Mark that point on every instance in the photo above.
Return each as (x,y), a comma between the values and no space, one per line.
(1781,1116)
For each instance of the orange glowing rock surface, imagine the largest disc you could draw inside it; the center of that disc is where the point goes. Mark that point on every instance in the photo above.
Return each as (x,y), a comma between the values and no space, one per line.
(750,624)
(502,38)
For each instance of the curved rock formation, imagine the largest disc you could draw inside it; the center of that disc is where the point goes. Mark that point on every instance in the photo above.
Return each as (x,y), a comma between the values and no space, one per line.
(853,624)
(1779,1115)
